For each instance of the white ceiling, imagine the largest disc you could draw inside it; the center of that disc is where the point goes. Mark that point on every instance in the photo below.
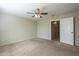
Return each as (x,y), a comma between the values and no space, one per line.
(20,9)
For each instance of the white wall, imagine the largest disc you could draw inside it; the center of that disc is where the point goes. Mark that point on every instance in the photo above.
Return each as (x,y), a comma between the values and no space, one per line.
(44,26)
(43,29)
(14,29)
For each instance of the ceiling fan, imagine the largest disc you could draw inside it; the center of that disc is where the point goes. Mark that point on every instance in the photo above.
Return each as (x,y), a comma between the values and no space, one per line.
(37,13)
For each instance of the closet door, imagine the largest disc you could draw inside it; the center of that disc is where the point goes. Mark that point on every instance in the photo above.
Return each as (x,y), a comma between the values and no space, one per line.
(67,30)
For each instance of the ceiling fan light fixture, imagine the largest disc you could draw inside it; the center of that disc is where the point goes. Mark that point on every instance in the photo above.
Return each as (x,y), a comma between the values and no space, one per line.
(37,16)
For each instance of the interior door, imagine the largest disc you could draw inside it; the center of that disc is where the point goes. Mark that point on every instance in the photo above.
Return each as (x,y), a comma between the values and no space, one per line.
(67,30)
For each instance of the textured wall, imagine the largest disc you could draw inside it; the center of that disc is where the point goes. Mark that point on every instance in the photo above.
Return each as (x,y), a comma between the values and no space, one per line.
(14,29)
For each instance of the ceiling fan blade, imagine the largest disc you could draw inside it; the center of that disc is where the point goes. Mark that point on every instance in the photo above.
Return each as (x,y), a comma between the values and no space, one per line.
(30,13)
(44,13)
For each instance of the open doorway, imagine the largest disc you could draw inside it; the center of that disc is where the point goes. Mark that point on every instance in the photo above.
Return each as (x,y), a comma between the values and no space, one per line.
(55,32)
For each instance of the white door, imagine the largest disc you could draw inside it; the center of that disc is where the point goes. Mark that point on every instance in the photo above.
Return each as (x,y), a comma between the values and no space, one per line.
(67,30)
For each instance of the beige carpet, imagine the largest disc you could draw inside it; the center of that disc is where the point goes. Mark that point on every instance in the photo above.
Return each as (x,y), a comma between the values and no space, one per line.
(39,47)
